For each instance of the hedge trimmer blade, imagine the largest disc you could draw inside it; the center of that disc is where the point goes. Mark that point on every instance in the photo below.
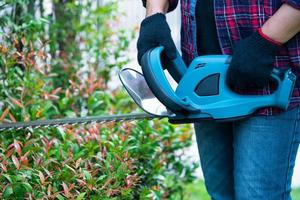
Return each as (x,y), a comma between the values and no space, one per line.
(74,121)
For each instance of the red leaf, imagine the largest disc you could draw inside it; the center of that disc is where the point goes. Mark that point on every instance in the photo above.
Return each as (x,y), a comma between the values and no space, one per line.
(57,90)
(42,177)
(17,147)
(66,190)
(81,182)
(78,163)
(38,113)
(49,189)
(118,157)
(10,152)
(72,186)
(23,40)
(3,49)
(4,114)
(16,161)
(15,42)
(126,154)
(106,183)
(31,46)
(24,159)
(11,146)
(40,54)
(16,102)
(53,97)
(3,167)
(37,161)
(12,118)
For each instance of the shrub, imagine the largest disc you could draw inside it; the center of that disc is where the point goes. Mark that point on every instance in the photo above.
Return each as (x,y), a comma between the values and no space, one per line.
(45,75)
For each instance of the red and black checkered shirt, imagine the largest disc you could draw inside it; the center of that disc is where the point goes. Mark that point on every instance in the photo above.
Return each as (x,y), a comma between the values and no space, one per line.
(236,20)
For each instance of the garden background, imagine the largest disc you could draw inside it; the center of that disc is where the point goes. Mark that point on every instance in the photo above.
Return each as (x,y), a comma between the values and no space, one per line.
(59,58)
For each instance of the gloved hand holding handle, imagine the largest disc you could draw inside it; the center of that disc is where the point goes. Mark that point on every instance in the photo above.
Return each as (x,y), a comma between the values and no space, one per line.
(155,32)
(253,57)
(252,61)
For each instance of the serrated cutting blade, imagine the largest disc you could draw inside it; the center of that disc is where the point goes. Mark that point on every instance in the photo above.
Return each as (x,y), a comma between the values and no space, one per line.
(74,121)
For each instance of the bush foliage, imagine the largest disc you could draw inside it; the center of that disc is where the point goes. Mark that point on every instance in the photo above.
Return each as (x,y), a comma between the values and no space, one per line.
(59,64)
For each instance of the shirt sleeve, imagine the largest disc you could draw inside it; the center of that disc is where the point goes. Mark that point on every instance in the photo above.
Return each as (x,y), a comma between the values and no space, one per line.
(172,4)
(293,3)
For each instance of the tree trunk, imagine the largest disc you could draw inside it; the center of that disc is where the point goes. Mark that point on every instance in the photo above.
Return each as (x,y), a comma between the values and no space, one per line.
(31,7)
(65,20)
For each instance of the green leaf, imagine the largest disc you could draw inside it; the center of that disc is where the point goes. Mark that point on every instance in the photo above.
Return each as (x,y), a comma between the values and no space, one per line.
(87,175)
(62,133)
(60,197)
(19,191)
(27,186)
(70,113)
(7,177)
(8,191)
(80,196)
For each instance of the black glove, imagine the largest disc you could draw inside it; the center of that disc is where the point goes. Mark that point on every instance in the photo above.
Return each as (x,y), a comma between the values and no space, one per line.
(155,32)
(252,62)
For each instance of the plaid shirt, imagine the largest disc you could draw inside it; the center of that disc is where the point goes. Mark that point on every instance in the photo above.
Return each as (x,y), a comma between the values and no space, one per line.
(236,20)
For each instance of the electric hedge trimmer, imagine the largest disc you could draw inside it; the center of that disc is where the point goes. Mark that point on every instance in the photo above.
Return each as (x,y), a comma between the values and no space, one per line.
(201,93)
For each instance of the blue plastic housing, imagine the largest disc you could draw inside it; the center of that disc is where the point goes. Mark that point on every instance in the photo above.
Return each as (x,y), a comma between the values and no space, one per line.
(222,103)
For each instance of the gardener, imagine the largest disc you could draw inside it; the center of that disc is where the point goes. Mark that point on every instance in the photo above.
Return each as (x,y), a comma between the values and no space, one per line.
(252,158)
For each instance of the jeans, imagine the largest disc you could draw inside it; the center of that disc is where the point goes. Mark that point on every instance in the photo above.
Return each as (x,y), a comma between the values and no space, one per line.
(251,159)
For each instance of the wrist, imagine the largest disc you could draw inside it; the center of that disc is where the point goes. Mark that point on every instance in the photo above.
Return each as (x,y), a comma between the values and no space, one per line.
(156,6)
(269,38)
(154,11)
(283,24)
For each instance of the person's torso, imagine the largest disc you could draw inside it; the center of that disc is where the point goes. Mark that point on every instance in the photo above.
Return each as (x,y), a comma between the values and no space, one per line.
(235,20)
(207,38)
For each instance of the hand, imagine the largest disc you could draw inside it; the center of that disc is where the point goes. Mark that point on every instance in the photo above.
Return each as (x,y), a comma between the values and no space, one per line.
(252,62)
(154,32)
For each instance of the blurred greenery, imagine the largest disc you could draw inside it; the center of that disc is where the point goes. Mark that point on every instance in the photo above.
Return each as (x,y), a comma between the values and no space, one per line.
(296,194)
(197,191)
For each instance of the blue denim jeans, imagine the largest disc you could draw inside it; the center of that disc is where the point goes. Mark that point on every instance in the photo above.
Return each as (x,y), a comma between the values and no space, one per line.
(251,159)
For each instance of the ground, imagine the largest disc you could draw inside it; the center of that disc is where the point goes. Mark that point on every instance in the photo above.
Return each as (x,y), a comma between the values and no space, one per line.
(197,191)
